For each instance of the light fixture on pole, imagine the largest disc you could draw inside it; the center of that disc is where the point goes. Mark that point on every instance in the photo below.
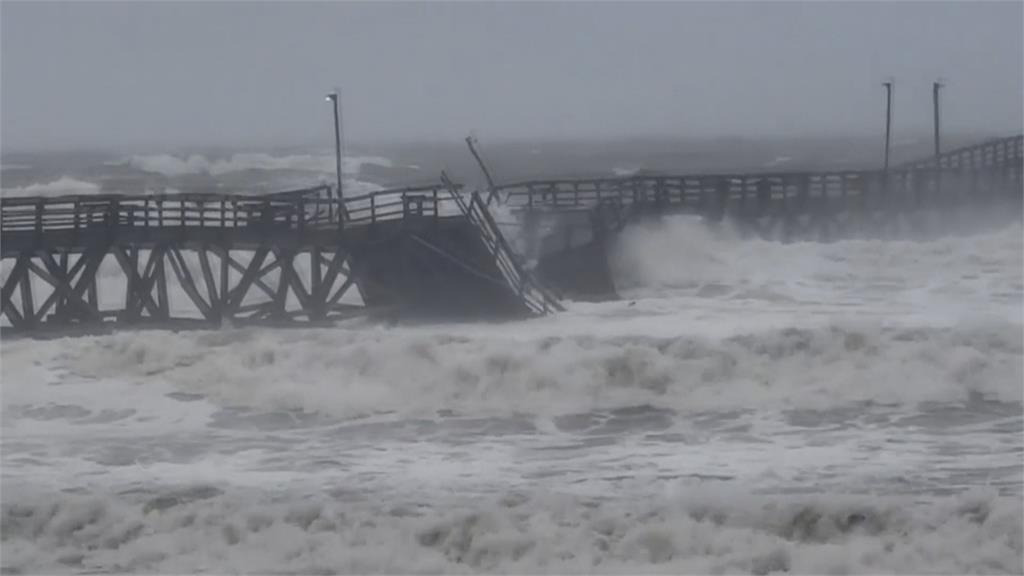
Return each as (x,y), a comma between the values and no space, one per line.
(888,118)
(333,99)
(935,103)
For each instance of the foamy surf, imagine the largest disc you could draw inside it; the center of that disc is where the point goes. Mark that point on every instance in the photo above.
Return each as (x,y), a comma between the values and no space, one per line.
(202,528)
(750,407)
(178,165)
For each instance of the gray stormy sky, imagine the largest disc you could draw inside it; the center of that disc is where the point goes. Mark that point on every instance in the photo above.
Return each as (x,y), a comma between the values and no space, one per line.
(119,74)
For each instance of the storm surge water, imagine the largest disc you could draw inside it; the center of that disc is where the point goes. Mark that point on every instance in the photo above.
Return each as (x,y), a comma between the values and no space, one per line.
(748,407)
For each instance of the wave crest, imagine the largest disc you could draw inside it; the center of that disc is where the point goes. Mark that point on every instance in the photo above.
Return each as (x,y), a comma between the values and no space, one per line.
(358,372)
(704,531)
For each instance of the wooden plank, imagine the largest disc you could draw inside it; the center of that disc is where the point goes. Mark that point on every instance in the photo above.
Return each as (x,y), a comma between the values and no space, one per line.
(249,277)
(88,283)
(237,266)
(17,320)
(181,271)
(139,295)
(17,276)
(62,302)
(163,302)
(27,308)
(225,269)
(211,288)
(281,296)
(130,266)
(315,270)
(332,273)
(289,274)
(66,283)
(54,296)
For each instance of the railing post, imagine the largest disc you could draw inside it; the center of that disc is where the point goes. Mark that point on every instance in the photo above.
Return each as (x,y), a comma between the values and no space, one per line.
(39,222)
(373,209)
(113,210)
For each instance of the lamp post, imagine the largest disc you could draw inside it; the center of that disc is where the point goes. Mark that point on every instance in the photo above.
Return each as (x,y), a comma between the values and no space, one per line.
(935,103)
(333,99)
(888,119)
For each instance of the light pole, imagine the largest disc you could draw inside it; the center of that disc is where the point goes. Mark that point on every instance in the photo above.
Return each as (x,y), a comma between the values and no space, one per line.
(333,99)
(935,103)
(888,119)
(483,167)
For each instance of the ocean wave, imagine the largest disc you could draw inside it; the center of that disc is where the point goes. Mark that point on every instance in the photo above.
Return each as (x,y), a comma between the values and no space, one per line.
(171,166)
(701,530)
(682,254)
(62,186)
(367,370)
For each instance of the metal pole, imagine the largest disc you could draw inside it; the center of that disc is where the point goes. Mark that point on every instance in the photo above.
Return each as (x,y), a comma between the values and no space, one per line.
(935,102)
(333,97)
(483,168)
(888,120)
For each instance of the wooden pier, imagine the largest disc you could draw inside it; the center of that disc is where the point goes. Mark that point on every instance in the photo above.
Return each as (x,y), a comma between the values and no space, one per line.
(306,257)
(282,258)
(932,195)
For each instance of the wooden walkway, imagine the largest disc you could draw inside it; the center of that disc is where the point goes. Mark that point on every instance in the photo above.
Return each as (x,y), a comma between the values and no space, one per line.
(302,256)
(806,205)
(286,257)
(975,183)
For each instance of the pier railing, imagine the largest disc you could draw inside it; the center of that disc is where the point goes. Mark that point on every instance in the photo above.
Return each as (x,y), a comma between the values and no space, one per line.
(81,213)
(311,208)
(1003,156)
(998,152)
(431,201)
(704,193)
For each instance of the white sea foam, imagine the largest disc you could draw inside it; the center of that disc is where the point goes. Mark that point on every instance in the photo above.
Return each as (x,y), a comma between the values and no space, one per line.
(625,170)
(956,276)
(170,165)
(778,161)
(203,528)
(62,186)
(351,372)
(751,407)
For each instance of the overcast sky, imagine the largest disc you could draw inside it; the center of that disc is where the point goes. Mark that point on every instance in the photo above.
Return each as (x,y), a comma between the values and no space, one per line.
(123,74)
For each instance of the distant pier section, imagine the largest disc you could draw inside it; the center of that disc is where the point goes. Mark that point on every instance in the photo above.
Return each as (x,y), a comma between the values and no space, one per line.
(570,222)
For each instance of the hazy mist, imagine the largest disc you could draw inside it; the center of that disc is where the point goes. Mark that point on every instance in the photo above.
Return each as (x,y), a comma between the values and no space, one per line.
(115,74)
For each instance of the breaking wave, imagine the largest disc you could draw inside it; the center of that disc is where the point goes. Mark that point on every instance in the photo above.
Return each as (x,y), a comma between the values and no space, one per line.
(356,372)
(681,255)
(171,166)
(65,185)
(203,528)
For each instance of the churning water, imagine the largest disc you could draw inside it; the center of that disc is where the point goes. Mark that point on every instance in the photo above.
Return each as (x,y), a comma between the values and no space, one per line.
(747,407)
